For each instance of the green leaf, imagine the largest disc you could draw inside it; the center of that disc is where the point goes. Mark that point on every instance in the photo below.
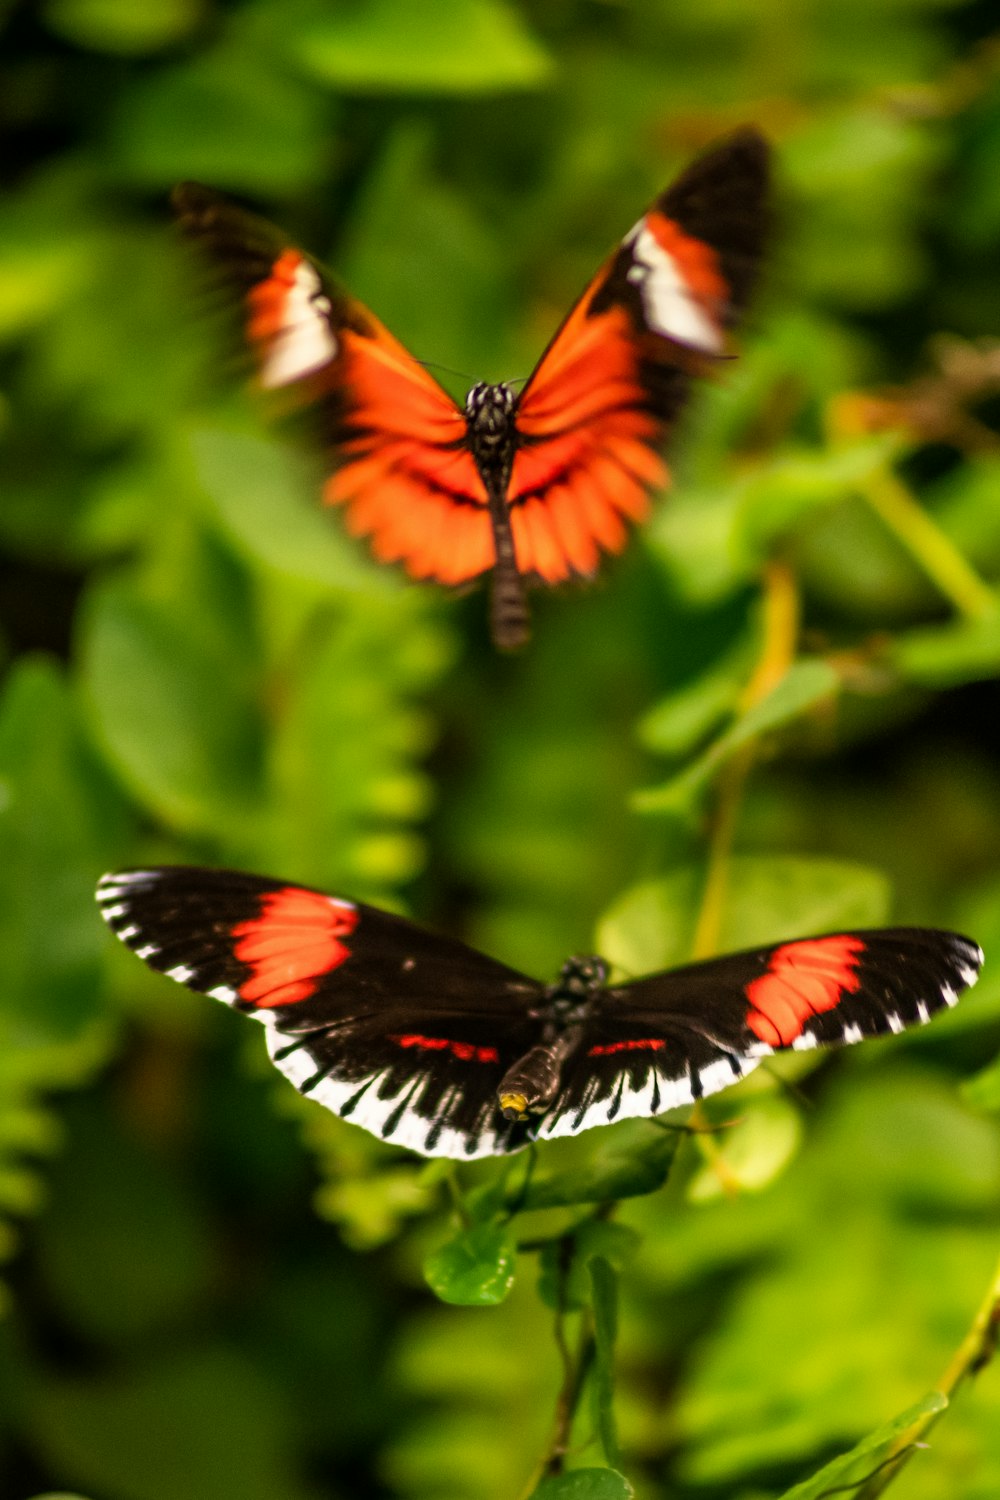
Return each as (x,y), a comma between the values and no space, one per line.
(769,899)
(228,117)
(168,695)
(564,1284)
(946,655)
(983,1090)
(851,1468)
(124,1248)
(218,1424)
(418,46)
(614,1174)
(805,685)
(585,1484)
(752,1152)
(604,1299)
(121,27)
(475,1269)
(60,822)
(267,499)
(681,720)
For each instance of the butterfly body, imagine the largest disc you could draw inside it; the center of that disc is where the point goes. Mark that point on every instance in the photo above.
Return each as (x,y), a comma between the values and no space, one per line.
(535,486)
(434,1046)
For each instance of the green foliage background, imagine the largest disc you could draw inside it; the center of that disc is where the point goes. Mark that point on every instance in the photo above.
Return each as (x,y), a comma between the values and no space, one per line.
(215,1289)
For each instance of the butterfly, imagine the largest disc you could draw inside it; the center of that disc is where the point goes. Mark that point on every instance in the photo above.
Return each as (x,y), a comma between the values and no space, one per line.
(436,1047)
(535,485)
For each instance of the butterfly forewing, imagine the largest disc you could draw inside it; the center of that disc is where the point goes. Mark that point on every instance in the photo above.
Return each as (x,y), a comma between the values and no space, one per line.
(388,1025)
(675,1037)
(594,417)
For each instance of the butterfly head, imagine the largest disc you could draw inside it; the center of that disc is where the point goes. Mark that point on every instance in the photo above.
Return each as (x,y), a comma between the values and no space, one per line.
(488,409)
(581,976)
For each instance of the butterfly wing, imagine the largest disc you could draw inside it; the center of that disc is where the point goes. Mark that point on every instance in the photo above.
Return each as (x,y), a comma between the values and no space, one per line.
(672,1038)
(400,1031)
(593,418)
(397,443)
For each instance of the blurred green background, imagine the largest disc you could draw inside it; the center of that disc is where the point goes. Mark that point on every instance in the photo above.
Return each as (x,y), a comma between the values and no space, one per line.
(213,1289)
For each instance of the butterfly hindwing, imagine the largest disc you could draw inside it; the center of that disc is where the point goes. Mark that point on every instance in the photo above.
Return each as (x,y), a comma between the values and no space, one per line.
(388,1025)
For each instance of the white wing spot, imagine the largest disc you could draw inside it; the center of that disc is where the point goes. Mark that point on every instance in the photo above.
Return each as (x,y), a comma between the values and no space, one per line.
(670,307)
(948,995)
(127,933)
(923,1014)
(305,341)
(224,993)
(853,1033)
(150,951)
(893,1022)
(969,976)
(805,1041)
(180,972)
(111,912)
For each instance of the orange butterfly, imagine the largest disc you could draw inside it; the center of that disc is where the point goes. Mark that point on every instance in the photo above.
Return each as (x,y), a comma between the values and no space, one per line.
(533,486)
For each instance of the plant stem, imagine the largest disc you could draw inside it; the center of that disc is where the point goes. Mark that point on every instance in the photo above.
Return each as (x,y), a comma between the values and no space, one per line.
(973,1353)
(923,538)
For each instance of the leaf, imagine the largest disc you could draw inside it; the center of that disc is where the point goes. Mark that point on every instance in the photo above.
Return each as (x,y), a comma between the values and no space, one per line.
(418,46)
(983,1090)
(682,719)
(168,692)
(563,1277)
(770,899)
(121,27)
(806,684)
(585,1484)
(752,1152)
(475,1269)
(60,821)
(268,502)
(227,117)
(604,1299)
(850,1468)
(946,655)
(216,1422)
(614,1175)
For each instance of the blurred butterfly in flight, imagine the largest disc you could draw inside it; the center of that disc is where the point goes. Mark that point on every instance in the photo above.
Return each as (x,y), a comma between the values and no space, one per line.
(436,1047)
(533,486)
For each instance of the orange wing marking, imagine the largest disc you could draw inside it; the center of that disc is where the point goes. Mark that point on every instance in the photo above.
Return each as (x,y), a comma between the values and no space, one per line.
(405,477)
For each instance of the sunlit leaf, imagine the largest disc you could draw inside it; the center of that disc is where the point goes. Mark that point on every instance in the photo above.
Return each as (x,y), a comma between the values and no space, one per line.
(475,1269)
(415,46)
(864,1456)
(585,1484)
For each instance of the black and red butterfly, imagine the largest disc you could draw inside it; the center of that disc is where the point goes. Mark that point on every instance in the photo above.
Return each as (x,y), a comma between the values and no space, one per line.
(534,486)
(433,1046)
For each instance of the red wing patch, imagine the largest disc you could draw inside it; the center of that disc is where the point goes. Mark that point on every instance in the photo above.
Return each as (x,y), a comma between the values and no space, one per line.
(292,945)
(642,1044)
(802,980)
(464,1051)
